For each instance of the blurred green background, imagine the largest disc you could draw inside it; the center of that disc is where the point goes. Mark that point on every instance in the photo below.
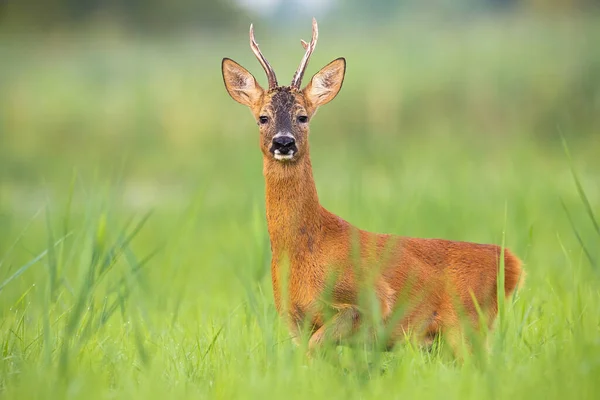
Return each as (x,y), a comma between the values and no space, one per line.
(134,256)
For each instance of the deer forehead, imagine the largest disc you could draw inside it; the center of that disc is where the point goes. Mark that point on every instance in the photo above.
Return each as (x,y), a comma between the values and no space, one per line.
(284,101)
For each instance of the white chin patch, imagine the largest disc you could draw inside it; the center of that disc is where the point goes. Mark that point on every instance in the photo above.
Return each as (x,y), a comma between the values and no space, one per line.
(283,157)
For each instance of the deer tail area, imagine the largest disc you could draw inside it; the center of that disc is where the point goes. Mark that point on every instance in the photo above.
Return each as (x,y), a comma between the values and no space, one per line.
(514,274)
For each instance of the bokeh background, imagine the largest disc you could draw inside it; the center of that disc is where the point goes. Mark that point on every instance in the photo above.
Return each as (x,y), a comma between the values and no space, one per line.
(134,256)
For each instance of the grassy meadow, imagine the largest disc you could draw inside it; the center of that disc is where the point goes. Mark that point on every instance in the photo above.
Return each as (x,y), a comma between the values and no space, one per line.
(134,256)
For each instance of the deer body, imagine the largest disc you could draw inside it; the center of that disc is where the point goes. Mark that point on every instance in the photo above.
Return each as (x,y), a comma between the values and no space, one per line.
(315,251)
(312,241)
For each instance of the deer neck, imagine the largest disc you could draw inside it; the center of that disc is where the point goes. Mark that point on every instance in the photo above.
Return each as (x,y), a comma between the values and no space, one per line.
(292,205)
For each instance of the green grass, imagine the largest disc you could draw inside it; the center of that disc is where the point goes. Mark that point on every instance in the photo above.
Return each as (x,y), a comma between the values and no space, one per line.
(134,256)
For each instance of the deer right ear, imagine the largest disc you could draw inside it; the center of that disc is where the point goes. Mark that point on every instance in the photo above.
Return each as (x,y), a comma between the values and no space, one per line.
(240,83)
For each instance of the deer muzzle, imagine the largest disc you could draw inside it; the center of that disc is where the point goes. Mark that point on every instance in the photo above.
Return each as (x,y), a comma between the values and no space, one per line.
(283,146)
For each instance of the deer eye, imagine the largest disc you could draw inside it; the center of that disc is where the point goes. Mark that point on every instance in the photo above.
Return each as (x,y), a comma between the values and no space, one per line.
(263,119)
(303,119)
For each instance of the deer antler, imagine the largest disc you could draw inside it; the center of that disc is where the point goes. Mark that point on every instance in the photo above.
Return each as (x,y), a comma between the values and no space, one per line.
(263,61)
(310,47)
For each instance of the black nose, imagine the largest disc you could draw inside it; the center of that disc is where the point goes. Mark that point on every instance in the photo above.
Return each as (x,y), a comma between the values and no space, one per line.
(284,144)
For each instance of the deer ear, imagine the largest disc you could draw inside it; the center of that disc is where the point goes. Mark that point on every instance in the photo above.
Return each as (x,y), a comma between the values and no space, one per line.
(240,83)
(326,83)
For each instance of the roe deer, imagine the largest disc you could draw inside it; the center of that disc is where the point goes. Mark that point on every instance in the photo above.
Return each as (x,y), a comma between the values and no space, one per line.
(440,277)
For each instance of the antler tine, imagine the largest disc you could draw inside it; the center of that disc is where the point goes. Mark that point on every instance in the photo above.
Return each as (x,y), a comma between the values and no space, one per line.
(310,47)
(263,61)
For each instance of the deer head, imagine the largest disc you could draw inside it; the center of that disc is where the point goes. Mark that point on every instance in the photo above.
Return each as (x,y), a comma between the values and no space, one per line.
(284,112)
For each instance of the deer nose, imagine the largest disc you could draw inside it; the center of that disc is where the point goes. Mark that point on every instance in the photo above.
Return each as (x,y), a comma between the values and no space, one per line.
(283,144)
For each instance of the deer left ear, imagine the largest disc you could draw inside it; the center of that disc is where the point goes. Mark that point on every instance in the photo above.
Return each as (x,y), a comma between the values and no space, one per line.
(326,83)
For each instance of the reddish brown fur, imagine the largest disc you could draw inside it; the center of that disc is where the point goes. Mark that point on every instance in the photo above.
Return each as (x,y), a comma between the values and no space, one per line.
(314,243)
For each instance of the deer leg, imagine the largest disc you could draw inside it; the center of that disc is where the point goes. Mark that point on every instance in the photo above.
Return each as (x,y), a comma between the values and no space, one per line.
(347,320)
(453,333)
(340,327)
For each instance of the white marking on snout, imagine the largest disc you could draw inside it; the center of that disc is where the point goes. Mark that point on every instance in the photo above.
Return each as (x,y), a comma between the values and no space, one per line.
(283,157)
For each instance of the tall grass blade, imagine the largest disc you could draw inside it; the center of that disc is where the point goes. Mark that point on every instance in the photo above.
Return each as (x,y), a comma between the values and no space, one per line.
(578,236)
(51,259)
(30,263)
(20,236)
(500,285)
(579,186)
(212,343)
